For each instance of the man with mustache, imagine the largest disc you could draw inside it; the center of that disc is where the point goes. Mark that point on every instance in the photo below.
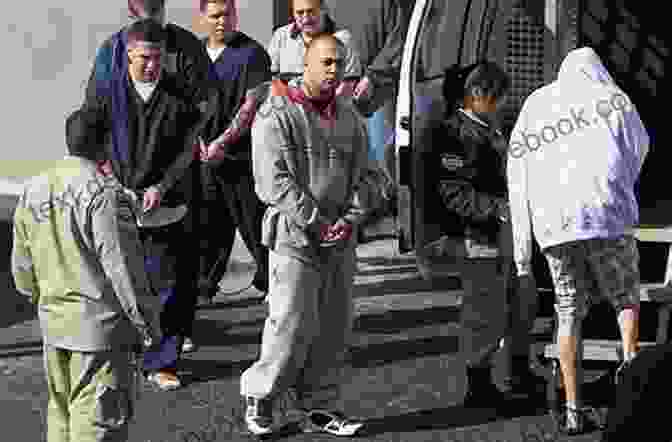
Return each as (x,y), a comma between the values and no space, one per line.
(153,127)
(238,64)
(288,44)
(309,158)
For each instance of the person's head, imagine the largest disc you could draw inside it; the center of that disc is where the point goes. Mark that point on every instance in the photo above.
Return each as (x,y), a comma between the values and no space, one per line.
(308,15)
(220,18)
(324,63)
(480,87)
(85,131)
(583,65)
(146,47)
(485,87)
(141,9)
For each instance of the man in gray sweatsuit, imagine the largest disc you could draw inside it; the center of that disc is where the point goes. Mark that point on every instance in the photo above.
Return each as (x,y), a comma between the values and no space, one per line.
(309,162)
(77,255)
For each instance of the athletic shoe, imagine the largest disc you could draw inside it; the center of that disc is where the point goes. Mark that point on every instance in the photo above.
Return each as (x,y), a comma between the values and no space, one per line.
(259,415)
(332,422)
(164,380)
(188,345)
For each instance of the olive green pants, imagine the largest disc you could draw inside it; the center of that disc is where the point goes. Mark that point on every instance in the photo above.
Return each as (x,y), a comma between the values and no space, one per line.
(90,395)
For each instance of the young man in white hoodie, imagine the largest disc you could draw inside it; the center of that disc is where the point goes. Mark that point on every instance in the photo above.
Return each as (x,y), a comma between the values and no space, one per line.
(576,152)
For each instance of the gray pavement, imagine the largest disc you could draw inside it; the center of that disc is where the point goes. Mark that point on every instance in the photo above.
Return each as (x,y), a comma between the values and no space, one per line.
(404,377)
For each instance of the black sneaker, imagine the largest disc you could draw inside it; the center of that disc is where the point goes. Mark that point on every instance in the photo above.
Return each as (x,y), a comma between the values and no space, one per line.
(259,415)
(481,390)
(573,422)
(526,384)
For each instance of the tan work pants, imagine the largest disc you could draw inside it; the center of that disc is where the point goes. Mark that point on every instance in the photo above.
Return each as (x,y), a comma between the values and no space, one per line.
(90,395)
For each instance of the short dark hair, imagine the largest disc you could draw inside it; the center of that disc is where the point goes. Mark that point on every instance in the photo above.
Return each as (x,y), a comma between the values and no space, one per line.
(487,78)
(85,131)
(203,4)
(481,78)
(147,30)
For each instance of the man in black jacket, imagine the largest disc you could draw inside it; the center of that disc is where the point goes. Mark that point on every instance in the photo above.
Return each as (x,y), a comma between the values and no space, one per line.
(153,124)
(238,64)
(470,164)
(187,62)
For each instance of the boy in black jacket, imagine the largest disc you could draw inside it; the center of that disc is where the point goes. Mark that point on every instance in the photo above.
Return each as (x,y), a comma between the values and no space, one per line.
(471,167)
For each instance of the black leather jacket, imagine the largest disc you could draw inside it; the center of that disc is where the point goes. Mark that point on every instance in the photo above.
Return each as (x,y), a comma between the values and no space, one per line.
(475,191)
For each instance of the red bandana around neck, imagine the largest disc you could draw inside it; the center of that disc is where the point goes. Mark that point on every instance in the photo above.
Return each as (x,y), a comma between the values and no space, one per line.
(325,107)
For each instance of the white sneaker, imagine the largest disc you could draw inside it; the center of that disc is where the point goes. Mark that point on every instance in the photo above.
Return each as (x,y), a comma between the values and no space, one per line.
(188,345)
(322,421)
(164,380)
(259,415)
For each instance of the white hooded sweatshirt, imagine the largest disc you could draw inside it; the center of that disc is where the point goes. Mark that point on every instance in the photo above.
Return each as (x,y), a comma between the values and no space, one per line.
(575,154)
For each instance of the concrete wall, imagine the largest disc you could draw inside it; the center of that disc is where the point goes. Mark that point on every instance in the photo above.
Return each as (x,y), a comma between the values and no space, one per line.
(48,50)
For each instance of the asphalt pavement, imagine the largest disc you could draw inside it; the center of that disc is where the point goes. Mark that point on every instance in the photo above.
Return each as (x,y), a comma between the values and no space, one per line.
(404,375)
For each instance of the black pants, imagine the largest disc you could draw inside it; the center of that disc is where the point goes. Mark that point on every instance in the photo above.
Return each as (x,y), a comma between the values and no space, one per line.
(230,203)
(169,263)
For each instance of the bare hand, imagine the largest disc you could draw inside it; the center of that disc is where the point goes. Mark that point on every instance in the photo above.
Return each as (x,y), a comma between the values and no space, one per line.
(363,89)
(151,199)
(323,232)
(202,149)
(105,167)
(217,152)
(341,230)
(346,88)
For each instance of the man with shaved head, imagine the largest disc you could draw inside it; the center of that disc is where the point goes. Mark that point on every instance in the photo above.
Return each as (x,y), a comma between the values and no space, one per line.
(309,153)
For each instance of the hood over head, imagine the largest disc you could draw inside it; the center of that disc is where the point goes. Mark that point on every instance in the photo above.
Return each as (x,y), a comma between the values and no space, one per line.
(583,65)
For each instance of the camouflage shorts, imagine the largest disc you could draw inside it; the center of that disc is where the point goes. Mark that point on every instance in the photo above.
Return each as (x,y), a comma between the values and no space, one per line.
(584,271)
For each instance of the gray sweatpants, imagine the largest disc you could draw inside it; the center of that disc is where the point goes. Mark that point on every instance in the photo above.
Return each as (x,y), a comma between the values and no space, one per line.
(309,324)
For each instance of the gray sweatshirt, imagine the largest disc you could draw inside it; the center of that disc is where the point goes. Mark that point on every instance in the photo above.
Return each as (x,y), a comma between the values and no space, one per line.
(307,173)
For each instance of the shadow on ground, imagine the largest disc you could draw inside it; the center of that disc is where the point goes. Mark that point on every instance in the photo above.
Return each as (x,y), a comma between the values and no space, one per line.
(445,418)
(435,419)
